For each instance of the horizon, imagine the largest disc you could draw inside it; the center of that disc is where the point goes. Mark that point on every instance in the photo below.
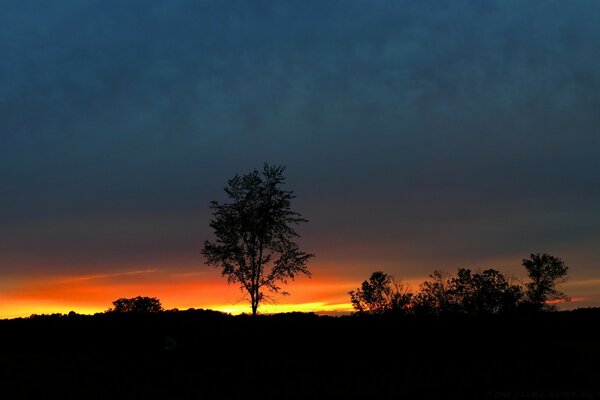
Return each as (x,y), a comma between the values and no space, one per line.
(416,137)
(235,307)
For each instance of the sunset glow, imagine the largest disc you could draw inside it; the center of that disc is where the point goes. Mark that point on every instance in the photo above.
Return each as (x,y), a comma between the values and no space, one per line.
(88,294)
(305,199)
(415,137)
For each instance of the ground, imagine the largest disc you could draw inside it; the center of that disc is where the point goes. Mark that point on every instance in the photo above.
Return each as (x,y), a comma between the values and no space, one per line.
(205,355)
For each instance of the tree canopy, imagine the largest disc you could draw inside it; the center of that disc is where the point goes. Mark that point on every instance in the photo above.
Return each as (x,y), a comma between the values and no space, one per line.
(434,296)
(381,293)
(545,273)
(139,304)
(487,292)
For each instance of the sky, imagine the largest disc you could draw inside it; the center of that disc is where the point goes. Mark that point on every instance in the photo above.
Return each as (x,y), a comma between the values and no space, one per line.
(417,135)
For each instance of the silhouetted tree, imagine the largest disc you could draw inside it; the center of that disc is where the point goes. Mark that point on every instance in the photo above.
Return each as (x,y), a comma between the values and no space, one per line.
(137,304)
(545,272)
(254,234)
(488,292)
(434,296)
(381,293)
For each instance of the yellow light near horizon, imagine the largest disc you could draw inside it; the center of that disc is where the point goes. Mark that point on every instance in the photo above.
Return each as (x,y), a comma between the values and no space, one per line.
(26,310)
(284,308)
(93,293)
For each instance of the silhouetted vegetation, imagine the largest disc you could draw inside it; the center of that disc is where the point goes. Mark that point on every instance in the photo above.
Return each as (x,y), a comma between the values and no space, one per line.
(473,293)
(434,296)
(137,304)
(487,292)
(254,235)
(381,293)
(545,273)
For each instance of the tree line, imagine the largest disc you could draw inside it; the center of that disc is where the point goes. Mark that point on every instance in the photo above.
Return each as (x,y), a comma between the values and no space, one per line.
(254,246)
(466,292)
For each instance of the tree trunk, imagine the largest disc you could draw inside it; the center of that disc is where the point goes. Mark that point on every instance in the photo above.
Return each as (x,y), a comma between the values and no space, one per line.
(254,301)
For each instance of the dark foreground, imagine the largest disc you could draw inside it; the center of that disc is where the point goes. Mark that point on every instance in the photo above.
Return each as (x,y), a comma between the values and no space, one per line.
(205,355)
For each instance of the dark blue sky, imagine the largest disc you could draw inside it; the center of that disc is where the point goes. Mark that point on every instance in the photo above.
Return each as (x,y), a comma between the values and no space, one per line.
(417,134)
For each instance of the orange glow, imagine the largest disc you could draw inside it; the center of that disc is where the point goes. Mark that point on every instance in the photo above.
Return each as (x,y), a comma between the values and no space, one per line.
(88,294)
(201,288)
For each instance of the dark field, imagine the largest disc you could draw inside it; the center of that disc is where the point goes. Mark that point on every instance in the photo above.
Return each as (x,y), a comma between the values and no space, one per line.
(206,355)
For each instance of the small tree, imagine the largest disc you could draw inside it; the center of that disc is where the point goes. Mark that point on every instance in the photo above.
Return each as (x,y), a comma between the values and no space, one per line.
(381,293)
(255,234)
(487,292)
(435,295)
(139,304)
(545,274)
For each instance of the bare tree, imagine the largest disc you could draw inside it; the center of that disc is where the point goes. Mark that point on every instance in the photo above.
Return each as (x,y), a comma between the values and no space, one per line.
(255,235)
